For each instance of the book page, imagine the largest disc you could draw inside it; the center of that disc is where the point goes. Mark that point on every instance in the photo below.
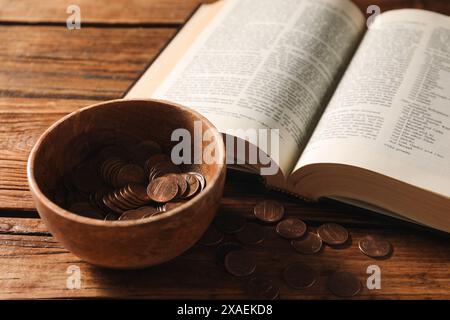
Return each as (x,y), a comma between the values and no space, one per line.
(391,111)
(264,64)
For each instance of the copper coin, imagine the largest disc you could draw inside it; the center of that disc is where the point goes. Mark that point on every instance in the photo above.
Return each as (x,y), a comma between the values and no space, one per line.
(130,173)
(138,191)
(111,205)
(130,198)
(299,276)
(182,183)
(226,248)
(262,289)
(240,263)
(132,215)
(172,205)
(111,217)
(309,244)
(193,185)
(332,234)
(162,169)
(86,210)
(211,237)
(163,189)
(201,179)
(230,222)
(269,211)
(291,228)
(375,248)
(148,211)
(251,234)
(156,158)
(344,284)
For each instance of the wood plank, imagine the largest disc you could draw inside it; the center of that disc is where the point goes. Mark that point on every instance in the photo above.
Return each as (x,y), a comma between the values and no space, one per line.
(107,12)
(151,11)
(35,266)
(50,71)
(88,64)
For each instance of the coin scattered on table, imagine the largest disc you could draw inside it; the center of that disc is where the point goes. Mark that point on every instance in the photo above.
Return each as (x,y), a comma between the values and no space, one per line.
(240,263)
(261,288)
(226,248)
(269,211)
(230,222)
(212,236)
(127,182)
(291,228)
(309,244)
(252,234)
(299,276)
(344,284)
(375,248)
(333,234)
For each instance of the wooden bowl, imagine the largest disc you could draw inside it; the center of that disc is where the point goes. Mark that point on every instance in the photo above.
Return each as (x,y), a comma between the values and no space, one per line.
(132,243)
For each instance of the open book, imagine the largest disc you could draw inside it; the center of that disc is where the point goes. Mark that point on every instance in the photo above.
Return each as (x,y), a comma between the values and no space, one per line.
(363,114)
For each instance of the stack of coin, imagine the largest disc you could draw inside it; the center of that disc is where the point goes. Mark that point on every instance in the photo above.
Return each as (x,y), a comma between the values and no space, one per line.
(120,182)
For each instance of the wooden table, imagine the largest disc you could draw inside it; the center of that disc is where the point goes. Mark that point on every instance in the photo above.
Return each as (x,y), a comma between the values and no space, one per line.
(47,71)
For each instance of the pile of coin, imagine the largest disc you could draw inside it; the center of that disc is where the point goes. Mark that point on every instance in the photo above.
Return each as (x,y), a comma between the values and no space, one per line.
(239,261)
(127,182)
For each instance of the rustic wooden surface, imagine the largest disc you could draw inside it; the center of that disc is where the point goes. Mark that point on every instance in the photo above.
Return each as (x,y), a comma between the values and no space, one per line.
(47,71)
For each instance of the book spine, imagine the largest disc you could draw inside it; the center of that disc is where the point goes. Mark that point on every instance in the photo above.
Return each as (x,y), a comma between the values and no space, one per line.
(286,192)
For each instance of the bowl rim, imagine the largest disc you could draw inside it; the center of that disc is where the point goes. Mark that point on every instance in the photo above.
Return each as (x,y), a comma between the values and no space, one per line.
(66,214)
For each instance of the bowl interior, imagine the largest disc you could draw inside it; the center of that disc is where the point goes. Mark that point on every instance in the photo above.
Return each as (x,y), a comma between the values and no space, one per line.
(78,136)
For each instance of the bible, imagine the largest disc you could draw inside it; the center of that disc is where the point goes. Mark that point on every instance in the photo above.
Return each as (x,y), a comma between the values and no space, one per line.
(362,109)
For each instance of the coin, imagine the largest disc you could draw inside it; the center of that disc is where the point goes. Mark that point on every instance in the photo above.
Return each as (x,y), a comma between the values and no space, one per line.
(240,263)
(163,189)
(230,222)
(226,248)
(332,234)
(299,276)
(291,228)
(172,205)
(375,248)
(269,211)
(309,244)
(149,211)
(111,205)
(193,185)
(138,191)
(344,284)
(201,179)
(113,182)
(111,217)
(130,173)
(251,234)
(262,289)
(211,237)
(154,160)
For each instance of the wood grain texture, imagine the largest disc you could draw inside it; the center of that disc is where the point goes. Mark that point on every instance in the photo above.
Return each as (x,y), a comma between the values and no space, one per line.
(105,12)
(48,72)
(148,12)
(418,269)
